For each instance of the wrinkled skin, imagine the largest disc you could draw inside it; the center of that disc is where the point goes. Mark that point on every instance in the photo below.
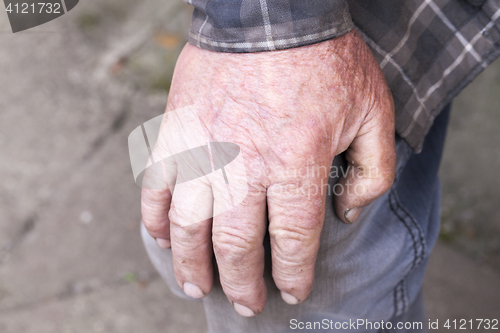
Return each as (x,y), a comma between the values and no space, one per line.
(286,110)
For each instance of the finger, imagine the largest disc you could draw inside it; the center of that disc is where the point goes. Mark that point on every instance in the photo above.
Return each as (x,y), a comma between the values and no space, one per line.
(190,229)
(238,236)
(155,205)
(296,214)
(157,185)
(371,159)
(161,173)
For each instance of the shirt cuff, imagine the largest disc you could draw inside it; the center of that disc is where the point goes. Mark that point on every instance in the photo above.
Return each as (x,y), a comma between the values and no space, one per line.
(266,25)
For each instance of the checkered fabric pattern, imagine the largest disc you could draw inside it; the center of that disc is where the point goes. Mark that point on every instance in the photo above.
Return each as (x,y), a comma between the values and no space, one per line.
(429,50)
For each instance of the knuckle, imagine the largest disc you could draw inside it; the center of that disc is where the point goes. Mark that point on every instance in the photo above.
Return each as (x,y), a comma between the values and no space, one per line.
(153,201)
(253,292)
(154,222)
(289,249)
(293,283)
(301,200)
(154,227)
(186,232)
(233,245)
(292,277)
(294,243)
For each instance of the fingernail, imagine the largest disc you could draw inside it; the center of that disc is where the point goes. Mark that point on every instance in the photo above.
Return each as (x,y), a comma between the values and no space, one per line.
(192,291)
(163,243)
(243,310)
(351,215)
(289,298)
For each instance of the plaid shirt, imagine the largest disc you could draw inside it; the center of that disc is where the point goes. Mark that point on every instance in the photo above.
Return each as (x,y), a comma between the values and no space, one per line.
(429,50)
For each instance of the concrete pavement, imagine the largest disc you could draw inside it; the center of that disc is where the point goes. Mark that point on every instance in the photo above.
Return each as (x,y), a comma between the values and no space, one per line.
(71,259)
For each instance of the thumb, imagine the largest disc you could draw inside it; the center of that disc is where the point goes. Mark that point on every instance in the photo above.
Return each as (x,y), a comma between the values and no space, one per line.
(371,159)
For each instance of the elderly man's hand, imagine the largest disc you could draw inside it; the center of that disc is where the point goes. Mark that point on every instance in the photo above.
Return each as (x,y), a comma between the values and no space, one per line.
(288,111)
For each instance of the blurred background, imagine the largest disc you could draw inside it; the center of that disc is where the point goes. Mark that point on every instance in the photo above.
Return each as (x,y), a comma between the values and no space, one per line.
(71,258)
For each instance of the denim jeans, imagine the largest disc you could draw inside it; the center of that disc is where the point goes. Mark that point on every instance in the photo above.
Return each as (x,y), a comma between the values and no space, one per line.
(366,273)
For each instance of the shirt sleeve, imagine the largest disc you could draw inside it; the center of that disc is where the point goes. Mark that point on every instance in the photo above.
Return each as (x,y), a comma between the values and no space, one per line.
(266,25)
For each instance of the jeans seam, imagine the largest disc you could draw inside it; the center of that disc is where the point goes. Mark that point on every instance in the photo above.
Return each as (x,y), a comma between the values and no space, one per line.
(392,204)
(403,295)
(400,304)
(418,245)
(412,227)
